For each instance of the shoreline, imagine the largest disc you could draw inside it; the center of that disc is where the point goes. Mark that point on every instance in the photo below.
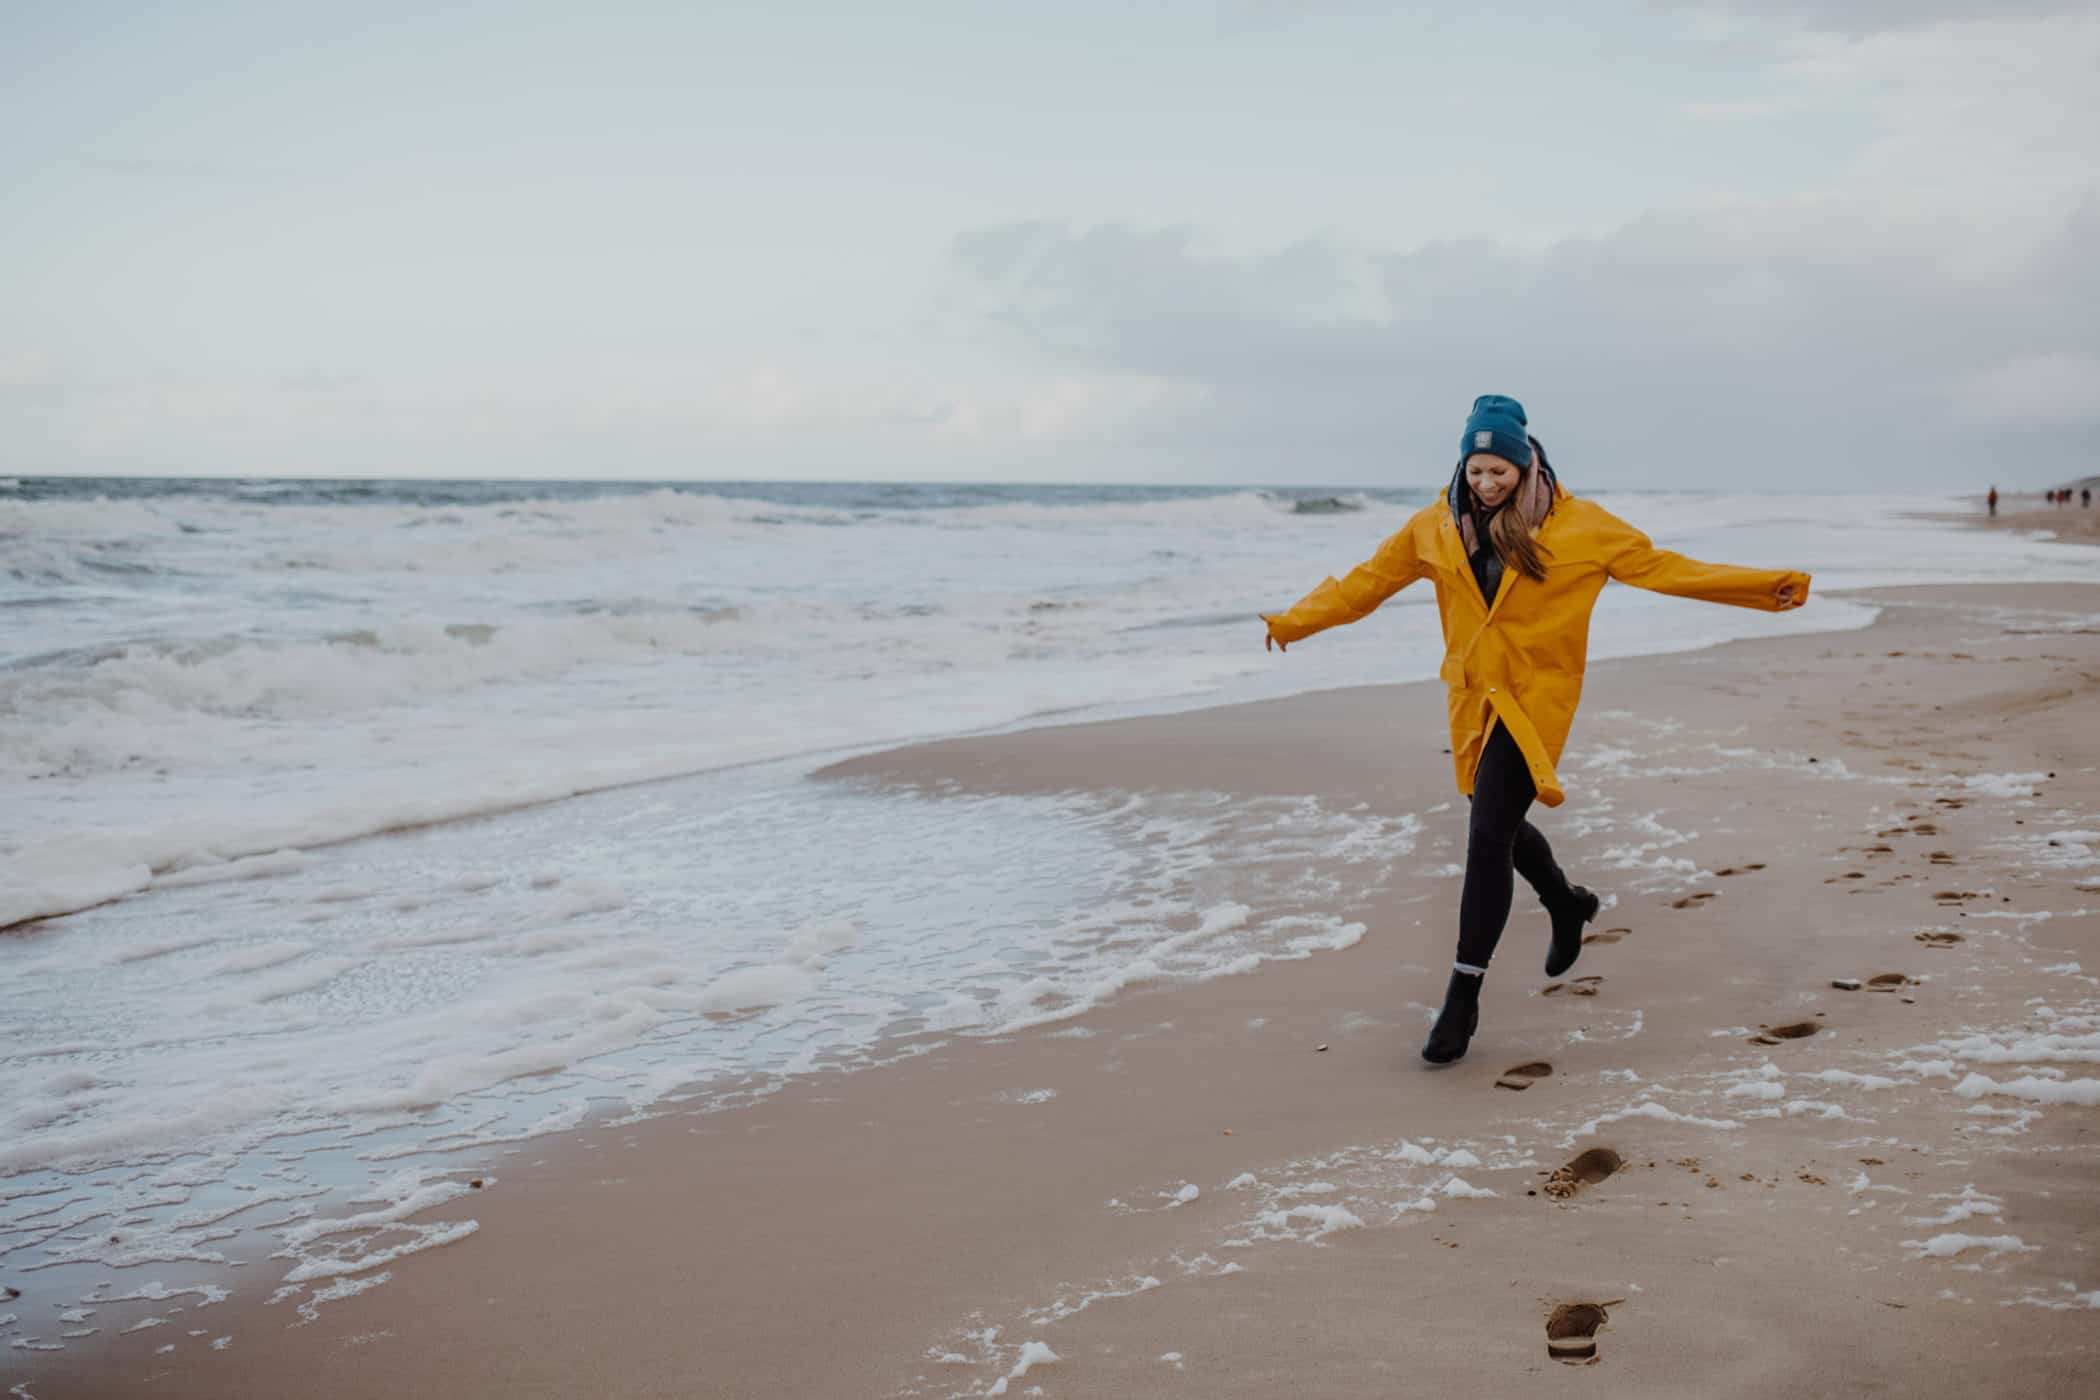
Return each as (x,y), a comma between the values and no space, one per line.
(61,887)
(950,1198)
(2069,524)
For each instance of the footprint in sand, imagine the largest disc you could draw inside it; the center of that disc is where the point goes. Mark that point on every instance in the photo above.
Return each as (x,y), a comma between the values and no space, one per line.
(1938,940)
(1583,1169)
(1793,1030)
(1579,987)
(1956,896)
(1889,981)
(1571,1332)
(1520,1076)
(1941,857)
(1610,935)
(1692,901)
(1917,828)
(1740,869)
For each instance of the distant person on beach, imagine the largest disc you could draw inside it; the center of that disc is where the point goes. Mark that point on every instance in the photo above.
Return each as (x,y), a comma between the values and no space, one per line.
(1992,501)
(1517,562)
(2085,498)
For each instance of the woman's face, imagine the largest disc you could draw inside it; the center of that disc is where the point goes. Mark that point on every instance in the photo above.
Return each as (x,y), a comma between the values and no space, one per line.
(1491,478)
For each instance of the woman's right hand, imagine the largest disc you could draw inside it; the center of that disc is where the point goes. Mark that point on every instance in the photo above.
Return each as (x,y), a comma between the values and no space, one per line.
(1270,640)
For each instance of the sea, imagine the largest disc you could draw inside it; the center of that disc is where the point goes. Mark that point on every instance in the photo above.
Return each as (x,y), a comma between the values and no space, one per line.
(360,834)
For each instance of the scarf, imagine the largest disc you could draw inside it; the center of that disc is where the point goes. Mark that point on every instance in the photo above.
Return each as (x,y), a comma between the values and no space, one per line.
(1533,499)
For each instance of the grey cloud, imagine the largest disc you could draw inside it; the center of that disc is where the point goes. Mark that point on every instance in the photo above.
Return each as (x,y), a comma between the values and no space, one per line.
(1861,17)
(1765,343)
(1279,11)
(942,412)
(320,382)
(172,168)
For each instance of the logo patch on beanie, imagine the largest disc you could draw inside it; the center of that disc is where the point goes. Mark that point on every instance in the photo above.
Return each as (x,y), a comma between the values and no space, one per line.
(1483,438)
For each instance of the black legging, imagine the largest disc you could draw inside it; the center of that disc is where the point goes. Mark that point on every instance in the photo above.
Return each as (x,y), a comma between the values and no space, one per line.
(1498,840)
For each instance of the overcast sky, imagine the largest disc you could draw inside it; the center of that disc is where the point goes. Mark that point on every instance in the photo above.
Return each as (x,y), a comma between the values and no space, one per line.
(1800,244)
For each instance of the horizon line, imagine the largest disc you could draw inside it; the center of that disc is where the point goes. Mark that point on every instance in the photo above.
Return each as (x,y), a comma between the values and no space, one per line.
(953,481)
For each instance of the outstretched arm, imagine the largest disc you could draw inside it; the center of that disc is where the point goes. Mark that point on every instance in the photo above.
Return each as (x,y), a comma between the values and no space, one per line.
(1632,558)
(1396,564)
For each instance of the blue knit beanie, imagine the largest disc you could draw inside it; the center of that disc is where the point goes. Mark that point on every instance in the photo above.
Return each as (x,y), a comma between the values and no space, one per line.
(1496,425)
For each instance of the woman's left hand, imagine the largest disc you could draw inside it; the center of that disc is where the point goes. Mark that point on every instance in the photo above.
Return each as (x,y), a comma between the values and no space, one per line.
(1789,596)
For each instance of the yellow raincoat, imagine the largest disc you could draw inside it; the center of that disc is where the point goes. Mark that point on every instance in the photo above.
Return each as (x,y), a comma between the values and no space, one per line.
(1522,660)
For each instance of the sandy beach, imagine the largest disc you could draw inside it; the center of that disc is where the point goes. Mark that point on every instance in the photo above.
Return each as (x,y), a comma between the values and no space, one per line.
(1251,1186)
(767,702)
(2066,522)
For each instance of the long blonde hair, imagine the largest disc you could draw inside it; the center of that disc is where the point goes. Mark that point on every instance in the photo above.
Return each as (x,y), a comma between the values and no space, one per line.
(1513,527)
(1511,534)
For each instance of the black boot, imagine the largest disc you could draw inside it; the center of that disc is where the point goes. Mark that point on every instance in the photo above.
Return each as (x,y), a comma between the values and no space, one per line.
(1458,1020)
(1568,919)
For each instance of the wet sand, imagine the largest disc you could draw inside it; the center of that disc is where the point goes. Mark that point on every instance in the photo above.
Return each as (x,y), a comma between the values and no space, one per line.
(1211,1203)
(2072,522)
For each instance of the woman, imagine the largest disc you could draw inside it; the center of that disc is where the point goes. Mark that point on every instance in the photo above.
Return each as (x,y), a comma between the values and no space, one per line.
(1517,563)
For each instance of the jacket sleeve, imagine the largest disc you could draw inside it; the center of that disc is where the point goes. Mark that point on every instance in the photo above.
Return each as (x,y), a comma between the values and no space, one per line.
(1397,563)
(1631,557)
